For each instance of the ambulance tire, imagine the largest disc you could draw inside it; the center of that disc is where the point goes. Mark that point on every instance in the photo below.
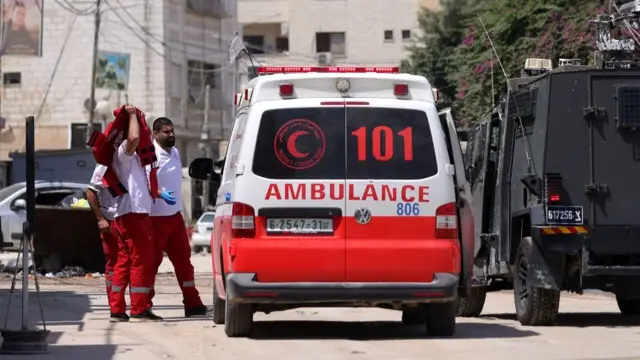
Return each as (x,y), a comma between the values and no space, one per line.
(534,306)
(441,319)
(472,305)
(414,316)
(238,319)
(218,307)
(629,307)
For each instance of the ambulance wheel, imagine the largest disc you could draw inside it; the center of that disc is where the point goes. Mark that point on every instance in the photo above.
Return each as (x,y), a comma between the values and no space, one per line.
(472,305)
(238,319)
(534,306)
(218,307)
(441,319)
(414,316)
(196,249)
(628,306)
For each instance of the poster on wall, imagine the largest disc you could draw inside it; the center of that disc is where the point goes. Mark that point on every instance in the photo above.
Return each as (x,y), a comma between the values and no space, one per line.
(21,27)
(112,70)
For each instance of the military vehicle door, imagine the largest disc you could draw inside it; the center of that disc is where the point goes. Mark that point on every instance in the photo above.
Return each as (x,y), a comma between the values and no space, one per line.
(615,149)
(463,193)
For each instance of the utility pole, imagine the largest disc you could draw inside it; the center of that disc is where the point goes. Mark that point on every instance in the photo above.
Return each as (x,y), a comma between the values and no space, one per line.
(92,97)
(204,140)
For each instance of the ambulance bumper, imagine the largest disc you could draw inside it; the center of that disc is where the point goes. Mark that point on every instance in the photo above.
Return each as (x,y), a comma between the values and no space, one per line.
(243,287)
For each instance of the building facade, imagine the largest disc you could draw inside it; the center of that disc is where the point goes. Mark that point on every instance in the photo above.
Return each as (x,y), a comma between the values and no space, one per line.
(175,47)
(330,32)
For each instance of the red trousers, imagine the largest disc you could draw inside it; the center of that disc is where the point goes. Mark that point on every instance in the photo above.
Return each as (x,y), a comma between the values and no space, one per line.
(110,249)
(170,236)
(135,264)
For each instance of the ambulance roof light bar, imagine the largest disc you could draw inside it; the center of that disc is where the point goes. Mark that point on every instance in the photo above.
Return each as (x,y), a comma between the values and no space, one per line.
(262,70)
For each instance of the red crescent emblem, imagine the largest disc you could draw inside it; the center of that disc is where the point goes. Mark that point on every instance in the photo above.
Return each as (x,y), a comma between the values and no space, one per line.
(299,144)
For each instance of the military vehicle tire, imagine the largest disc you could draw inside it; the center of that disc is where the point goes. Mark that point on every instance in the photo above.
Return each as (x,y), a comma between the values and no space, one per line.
(471,306)
(415,316)
(534,306)
(218,307)
(441,319)
(628,306)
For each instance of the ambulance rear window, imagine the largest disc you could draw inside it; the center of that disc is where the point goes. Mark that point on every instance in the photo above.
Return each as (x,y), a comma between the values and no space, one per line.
(387,143)
(318,143)
(301,143)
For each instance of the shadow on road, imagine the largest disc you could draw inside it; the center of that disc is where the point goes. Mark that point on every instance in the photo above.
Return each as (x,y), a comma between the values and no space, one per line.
(373,330)
(583,319)
(62,309)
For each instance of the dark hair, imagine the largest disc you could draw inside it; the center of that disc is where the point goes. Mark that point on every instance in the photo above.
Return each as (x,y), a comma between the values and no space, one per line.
(160,122)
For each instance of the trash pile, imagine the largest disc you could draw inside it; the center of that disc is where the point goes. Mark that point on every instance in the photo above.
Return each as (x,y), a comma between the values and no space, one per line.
(73,271)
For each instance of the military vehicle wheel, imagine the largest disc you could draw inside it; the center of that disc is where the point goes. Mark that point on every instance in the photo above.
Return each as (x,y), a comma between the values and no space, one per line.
(628,306)
(441,319)
(238,319)
(534,306)
(218,307)
(471,306)
(414,316)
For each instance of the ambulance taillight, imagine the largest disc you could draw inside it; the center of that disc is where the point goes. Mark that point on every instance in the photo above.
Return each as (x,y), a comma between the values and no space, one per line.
(447,221)
(243,223)
(401,89)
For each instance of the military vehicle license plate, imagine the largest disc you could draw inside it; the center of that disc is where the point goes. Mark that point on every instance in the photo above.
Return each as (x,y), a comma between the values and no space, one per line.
(299,226)
(565,215)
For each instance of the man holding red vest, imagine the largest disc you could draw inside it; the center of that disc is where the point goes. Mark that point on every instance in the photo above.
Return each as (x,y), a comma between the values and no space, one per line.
(125,148)
(169,231)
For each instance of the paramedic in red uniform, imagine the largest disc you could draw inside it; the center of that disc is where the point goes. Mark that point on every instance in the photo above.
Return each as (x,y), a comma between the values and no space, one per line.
(133,226)
(103,205)
(169,230)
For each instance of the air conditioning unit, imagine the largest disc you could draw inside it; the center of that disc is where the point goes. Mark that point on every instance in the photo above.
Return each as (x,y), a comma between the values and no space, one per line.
(325,59)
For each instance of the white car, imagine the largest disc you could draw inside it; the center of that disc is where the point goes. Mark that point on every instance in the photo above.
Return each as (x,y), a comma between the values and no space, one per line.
(13,205)
(201,236)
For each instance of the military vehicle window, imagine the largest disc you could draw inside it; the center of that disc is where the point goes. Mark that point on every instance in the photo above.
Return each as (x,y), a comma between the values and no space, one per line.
(301,143)
(478,160)
(628,98)
(468,155)
(386,143)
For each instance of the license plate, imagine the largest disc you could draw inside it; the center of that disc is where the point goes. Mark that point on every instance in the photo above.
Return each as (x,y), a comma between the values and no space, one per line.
(565,215)
(209,228)
(299,226)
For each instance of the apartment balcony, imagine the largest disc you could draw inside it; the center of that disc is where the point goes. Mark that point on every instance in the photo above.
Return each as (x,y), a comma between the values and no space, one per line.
(219,9)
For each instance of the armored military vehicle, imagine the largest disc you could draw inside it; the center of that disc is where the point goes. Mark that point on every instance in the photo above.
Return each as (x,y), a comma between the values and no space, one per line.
(554,172)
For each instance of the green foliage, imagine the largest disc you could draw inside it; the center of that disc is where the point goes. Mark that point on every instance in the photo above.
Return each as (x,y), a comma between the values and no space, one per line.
(456,56)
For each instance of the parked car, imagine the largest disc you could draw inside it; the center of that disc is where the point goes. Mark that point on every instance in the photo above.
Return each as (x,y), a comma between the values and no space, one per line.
(13,205)
(201,236)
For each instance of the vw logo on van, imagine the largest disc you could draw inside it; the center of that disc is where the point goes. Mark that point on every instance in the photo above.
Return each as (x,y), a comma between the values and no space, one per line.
(363,215)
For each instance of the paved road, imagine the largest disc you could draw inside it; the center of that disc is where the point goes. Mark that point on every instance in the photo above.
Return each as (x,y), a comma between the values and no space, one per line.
(590,328)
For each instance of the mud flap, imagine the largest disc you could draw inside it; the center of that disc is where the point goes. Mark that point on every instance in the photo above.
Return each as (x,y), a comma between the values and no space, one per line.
(546,268)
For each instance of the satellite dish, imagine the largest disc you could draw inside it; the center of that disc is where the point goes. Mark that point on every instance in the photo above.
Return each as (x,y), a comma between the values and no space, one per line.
(103,108)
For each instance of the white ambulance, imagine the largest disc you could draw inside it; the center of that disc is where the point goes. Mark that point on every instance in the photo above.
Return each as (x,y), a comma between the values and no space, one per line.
(341,186)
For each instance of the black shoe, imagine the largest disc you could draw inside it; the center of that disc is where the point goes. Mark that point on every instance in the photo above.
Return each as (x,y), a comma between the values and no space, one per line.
(123,317)
(198,311)
(147,316)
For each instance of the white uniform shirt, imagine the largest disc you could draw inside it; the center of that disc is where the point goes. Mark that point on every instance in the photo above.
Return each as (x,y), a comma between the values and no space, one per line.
(133,176)
(170,179)
(108,203)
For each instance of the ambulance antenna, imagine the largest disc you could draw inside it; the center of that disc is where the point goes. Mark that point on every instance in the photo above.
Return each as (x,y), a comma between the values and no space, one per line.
(530,162)
(236,47)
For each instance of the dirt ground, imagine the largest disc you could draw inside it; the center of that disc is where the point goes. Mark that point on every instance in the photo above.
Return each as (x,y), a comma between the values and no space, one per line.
(589,328)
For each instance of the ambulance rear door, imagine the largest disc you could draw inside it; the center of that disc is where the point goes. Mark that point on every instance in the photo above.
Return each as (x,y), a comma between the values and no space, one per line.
(395,184)
(465,214)
(296,186)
